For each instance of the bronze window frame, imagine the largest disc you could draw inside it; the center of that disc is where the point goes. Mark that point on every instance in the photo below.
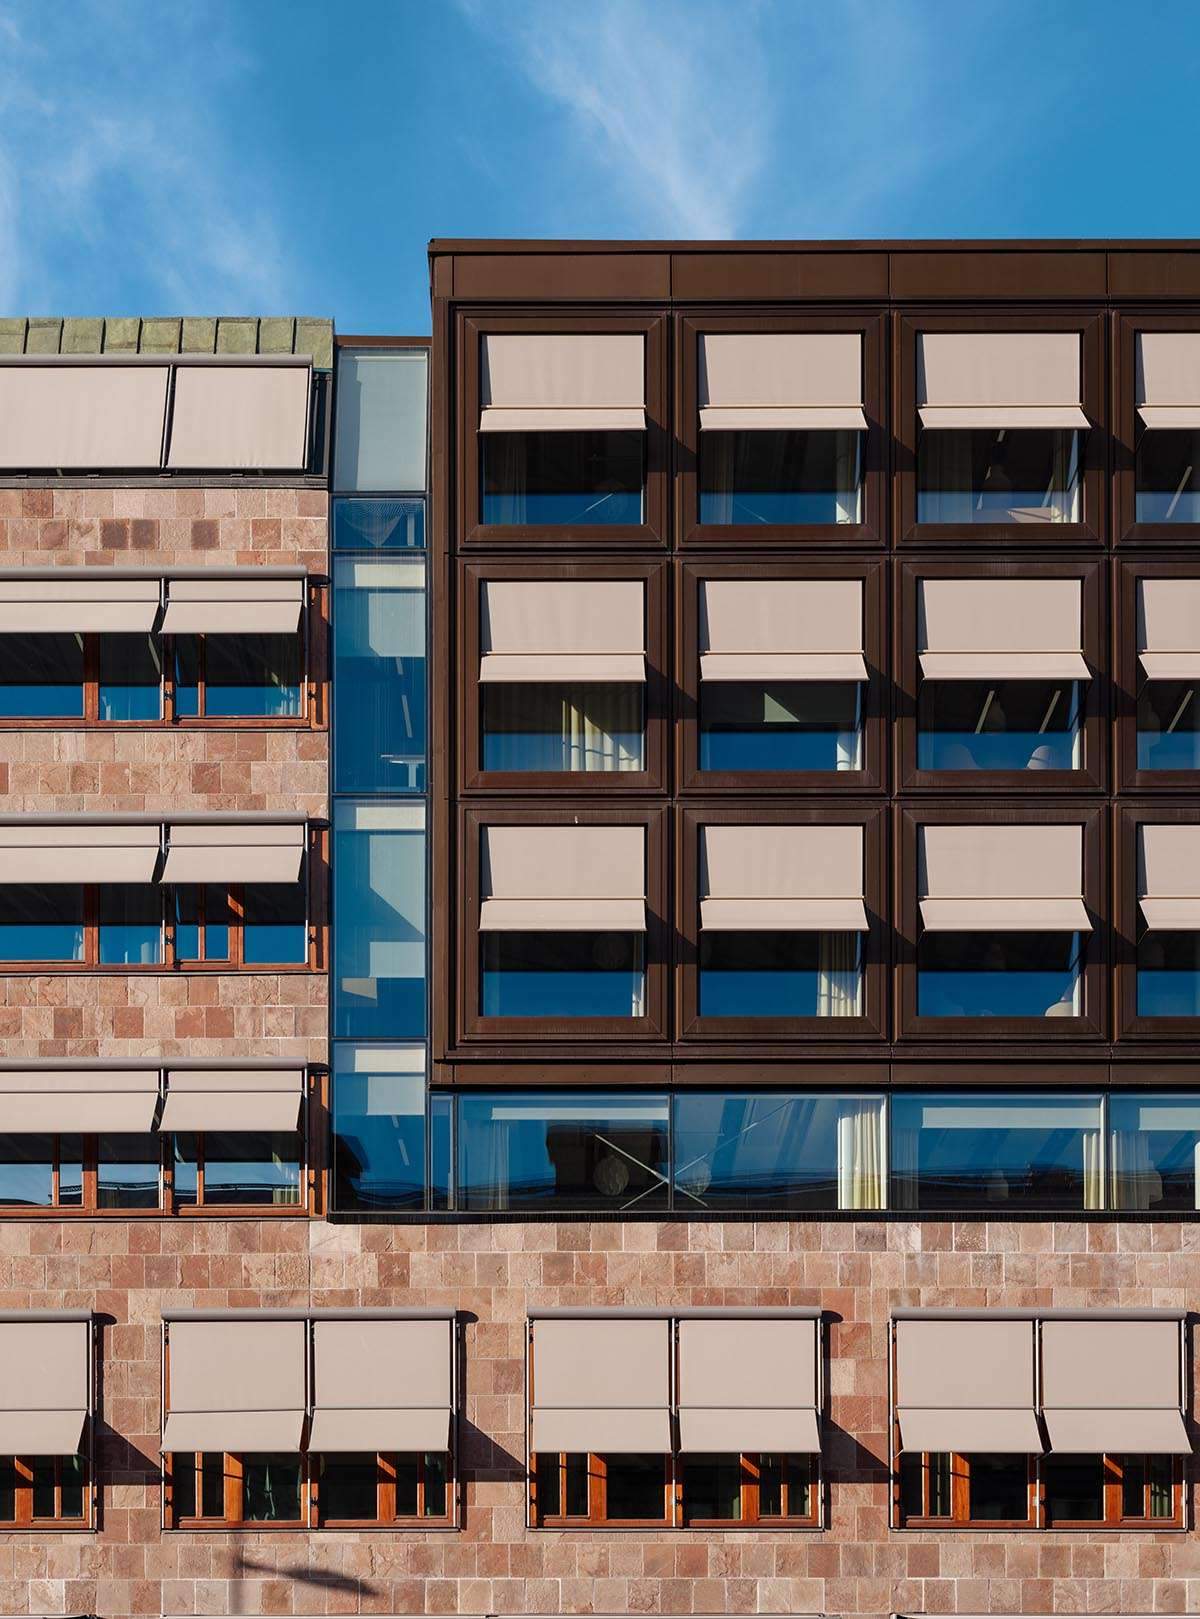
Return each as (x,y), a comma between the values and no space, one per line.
(1127,531)
(1093,527)
(689,328)
(1094,700)
(658,697)
(871,1024)
(1127,924)
(690,575)
(1128,573)
(471,326)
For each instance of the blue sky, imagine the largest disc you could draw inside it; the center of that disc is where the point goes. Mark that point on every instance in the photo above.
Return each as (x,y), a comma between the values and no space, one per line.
(252,156)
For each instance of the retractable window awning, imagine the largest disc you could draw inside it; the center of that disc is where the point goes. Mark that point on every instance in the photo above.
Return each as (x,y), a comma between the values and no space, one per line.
(1011,879)
(563,382)
(546,630)
(781,629)
(81,852)
(48,1385)
(100,416)
(111,1100)
(233,1099)
(967,1385)
(231,852)
(1167,379)
(999,379)
(251,416)
(1001,629)
(1169,876)
(233,606)
(1168,628)
(760,381)
(724,1409)
(1114,1387)
(563,879)
(762,879)
(381,1385)
(236,1385)
(75,606)
(602,1385)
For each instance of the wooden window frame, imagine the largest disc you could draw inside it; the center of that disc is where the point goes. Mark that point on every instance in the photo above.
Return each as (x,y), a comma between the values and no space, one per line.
(674,1510)
(1127,531)
(24,1518)
(871,1025)
(1031,1032)
(386,1516)
(960,1495)
(1128,679)
(233,1496)
(1090,324)
(693,782)
(304,1206)
(658,699)
(472,326)
(751,1467)
(538,1032)
(1094,707)
(692,534)
(310,1511)
(1038,1517)
(1127,924)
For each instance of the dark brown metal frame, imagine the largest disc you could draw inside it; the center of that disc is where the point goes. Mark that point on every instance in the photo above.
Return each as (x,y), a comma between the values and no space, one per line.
(1128,572)
(1182,1032)
(1126,530)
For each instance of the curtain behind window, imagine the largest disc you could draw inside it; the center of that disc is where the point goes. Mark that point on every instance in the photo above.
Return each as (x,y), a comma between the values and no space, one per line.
(1136,1184)
(860,1153)
(839,981)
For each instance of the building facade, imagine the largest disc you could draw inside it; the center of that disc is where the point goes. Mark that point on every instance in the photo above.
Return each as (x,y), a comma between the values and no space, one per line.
(599,918)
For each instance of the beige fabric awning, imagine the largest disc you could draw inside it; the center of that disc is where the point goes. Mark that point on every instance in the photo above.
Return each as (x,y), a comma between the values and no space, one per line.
(233,1099)
(602,1384)
(537,382)
(563,879)
(781,629)
(755,381)
(1168,628)
(381,1385)
(99,417)
(722,1409)
(1169,876)
(233,606)
(48,1386)
(121,1101)
(1000,629)
(249,852)
(999,379)
(75,606)
(547,630)
(229,417)
(1114,1386)
(1014,879)
(237,1385)
(1167,378)
(79,853)
(799,879)
(967,1385)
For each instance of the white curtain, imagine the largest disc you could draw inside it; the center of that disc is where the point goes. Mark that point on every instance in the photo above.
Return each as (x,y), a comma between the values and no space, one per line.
(599,728)
(1093,1169)
(860,1153)
(572,728)
(1136,1184)
(848,463)
(946,461)
(849,743)
(839,978)
(718,451)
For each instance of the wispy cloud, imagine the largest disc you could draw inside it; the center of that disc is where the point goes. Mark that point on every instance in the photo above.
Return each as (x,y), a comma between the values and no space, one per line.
(667,99)
(118,173)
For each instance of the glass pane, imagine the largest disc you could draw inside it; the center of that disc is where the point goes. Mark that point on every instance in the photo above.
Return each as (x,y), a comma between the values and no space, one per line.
(1168,726)
(202,923)
(712,1487)
(960,1151)
(434,1466)
(1154,1145)
(1001,725)
(379,435)
(579,1151)
(349,1487)
(770,1487)
(212,1485)
(130,678)
(563,727)
(43,1471)
(27,1170)
(780,476)
(407,1475)
(379,675)
(131,924)
(1168,485)
(636,1487)
(775,1150)
(556,478)
(1162,1485)
(562,975)
(252,675)
(940,1505)
(274,925)
(271,1486)
(780,975)
(1168,975)
(912,1482)
(185,1166)
(786,725)
(441,1151)
(378,525)
(378,1127)
(183,1484)
(549,1490)
(41,676)
(1133,1486)
(998,974)
(1074,1487)
(998,1487)
(998,475)
(187,676)
(70,1171)
(577,1478)
(8,1489)
(41,923)
(71,1487)
(127,1172)
(252,1166)
(379,903)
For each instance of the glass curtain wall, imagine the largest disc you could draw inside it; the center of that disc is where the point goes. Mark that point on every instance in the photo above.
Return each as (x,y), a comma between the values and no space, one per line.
(378,1014)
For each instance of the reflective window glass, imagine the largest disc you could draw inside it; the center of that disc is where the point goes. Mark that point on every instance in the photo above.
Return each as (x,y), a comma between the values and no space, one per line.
(378,1127)
(786,725)
(1168,476)
(42,923)
(252,676)
(127,1171)
(563,727)
(131,918)
(998,725)
(780,975)
(271,1489)
(1168,725)
(588,479)
(379,525)
(274,926)
(379,438)
(379,674)
(41,676)
(27,1170)
(998,475)
(130,680)
(562,975)
(1154,1151)
(999,974)
(251,1166)
(780,477)
(379,910)
(1168,974)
